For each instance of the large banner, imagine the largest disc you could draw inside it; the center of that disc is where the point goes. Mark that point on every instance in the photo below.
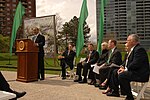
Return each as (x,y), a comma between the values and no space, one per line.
(47,28)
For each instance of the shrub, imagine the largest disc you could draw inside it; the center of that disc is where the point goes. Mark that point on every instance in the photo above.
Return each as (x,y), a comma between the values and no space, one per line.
(4,43)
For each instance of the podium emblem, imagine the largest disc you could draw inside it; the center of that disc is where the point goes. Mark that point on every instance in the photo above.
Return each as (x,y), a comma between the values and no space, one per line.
(21,45)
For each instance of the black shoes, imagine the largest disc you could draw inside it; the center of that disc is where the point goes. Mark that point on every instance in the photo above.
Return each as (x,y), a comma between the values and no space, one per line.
(83,81)
(113,93)
(42,79)
(103,87)
(63,78)
(91,83)
(97,85)
(18,94)
(77,80)
(129,98)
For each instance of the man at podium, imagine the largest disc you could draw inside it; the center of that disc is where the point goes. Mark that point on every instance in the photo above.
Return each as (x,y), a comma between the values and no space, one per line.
(39,41)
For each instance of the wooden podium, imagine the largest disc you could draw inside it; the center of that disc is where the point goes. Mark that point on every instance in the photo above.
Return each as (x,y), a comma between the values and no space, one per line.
(27,53)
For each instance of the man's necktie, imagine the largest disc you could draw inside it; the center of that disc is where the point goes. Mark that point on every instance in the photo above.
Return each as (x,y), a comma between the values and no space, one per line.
(34,38)
(109,57)
(89,57)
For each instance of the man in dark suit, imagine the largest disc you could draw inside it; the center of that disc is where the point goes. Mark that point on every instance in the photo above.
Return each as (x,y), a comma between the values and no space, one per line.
(86,64)
(39,40)
(4,86)
(136,68)
(67,59)
(114,57)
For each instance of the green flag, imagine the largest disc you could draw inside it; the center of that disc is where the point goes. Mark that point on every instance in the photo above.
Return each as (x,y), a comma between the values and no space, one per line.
(80,37)
(100,34)
(20,11)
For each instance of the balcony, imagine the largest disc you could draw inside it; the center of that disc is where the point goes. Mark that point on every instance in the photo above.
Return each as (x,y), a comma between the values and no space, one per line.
(2,1)
(2,15)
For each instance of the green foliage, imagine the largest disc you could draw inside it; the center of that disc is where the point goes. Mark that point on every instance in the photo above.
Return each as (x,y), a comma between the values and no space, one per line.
(69,32)
(4,43)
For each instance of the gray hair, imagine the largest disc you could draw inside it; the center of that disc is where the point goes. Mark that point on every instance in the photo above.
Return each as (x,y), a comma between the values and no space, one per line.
(104,43)
(135,37)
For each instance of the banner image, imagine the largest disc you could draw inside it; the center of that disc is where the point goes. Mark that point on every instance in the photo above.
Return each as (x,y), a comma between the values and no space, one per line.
(47,28)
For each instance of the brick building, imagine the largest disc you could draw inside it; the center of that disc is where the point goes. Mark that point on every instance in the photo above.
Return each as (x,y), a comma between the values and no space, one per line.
(7,11)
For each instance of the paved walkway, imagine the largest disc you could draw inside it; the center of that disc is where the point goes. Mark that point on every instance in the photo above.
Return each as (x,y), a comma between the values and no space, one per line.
(53,88)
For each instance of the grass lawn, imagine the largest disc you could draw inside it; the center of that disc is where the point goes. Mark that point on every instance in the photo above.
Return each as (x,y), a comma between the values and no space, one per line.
(48,62)
(50,67)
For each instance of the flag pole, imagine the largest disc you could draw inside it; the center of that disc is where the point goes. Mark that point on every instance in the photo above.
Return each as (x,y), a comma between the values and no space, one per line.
(9,61)
(9,54)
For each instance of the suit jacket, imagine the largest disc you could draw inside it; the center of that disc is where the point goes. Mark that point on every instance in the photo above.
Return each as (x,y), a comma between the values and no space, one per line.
(41,42)
(93,58)
(69,58)
(116,57)
(138,64)
(103,57)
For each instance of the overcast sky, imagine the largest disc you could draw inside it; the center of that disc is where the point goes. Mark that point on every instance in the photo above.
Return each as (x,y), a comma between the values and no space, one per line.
(67,9)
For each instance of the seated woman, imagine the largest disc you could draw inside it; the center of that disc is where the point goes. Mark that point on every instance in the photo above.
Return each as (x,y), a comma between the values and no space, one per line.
(67,58)
(101,60)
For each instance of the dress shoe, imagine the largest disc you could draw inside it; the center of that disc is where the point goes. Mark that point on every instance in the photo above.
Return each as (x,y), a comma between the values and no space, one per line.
(91,83)
(106,91)
(42,79)
(129,98)
(77,80)
(113,93)
(83,81)
(63,78)
(97,85)
(102,87)
(19,94)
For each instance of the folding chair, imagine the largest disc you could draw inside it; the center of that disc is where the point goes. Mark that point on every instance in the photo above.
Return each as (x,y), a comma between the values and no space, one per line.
(140,88)
(70,73)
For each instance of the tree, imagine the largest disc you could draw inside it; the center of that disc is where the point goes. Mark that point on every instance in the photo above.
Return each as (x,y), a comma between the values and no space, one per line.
(58,23)
(4,43)
(69,32)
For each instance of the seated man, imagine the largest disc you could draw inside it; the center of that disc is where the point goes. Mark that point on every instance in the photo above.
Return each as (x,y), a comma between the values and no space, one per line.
(112,70)
(114,57)
(4,86)
(136,69)
(67,58)
(86,64)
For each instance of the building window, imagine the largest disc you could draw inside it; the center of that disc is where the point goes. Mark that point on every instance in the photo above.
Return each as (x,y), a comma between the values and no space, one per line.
(13,0)
(14,5)
(30,11)
(29,2)
(29,6)
(8,5)
(8,19)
